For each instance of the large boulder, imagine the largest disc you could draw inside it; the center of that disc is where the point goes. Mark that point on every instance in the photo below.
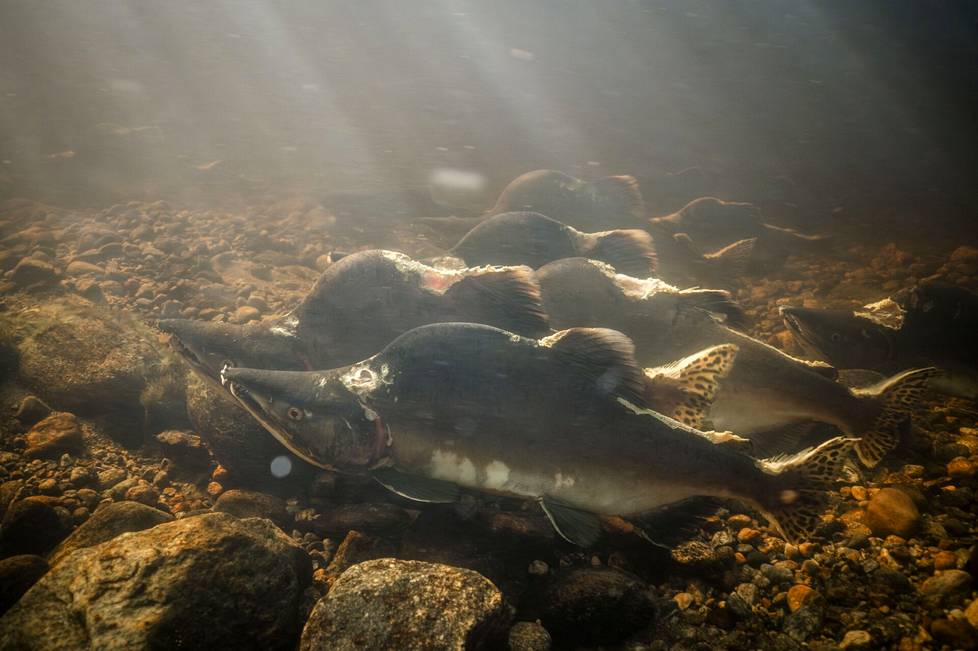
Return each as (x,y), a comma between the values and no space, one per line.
(594,606)
(33,525)
(108,522)
(53,436)
(211,581)
(17,575)
(392,604)
(97,363)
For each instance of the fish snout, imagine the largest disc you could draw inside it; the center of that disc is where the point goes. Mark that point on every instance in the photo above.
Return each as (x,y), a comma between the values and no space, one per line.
(790,317)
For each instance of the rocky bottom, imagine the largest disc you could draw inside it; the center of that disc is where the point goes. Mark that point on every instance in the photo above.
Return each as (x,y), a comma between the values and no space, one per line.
(120,530)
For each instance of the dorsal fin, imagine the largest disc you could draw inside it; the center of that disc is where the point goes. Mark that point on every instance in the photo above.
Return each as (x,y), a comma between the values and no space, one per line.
(630,252)
(735,257)
(686,242)
(507,298)
(606,357)
(623,192)
(692,384)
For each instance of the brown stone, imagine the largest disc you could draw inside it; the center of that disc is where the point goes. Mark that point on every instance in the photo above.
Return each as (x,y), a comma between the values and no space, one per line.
(960,468)
(891,511)
(53,436)
(800,595)
(945,560)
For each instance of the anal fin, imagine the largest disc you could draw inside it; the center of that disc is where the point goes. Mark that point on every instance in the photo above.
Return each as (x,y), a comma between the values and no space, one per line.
(414,487)
(575,526)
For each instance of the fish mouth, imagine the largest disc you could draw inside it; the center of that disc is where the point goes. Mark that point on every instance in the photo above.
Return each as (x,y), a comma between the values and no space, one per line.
(253,407)
(798,331)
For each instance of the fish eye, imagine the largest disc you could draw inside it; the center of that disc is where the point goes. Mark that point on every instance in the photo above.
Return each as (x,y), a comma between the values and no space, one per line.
(294,413)
(836,337)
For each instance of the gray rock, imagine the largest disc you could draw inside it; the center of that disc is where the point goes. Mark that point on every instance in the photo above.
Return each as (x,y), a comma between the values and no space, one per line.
(211,581)
(110,477)
(741,600)
(30,410)
(368,517)
(946,588)
(31,271)
(32,525)
(529,636)
(17,575)
(107,523)
(595,605)
(184,448)
(9,490)
(393,604)
(252,504)
(94,362)
(804,622)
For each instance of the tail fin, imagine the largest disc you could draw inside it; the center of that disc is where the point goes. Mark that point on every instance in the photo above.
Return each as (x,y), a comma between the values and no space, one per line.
(802,485)
(717,301)
(505,298)
(630,252)
(733,259)
(685,389)
(621,192)
(898,396)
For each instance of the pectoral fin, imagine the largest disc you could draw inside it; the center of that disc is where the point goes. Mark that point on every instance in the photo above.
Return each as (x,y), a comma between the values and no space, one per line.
(413,487)
(575,526)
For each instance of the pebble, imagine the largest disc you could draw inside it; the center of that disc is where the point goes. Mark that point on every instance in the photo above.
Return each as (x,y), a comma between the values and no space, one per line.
(945,560)
(960,468)
(529,636)
(946,588)
(955,633)
(538,568)
(110,477)
(144,494)
(856,640)
(49,487)
(245,314)
(800,595)
(891,511)
(81,268)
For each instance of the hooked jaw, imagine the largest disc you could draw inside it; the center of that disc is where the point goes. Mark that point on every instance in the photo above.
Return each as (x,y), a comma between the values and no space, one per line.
(311,414)
(260,408)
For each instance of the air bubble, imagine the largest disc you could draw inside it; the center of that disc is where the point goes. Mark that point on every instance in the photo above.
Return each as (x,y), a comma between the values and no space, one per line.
(281,466)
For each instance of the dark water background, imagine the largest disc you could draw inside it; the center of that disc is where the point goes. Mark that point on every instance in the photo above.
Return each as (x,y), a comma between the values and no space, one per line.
(831,115)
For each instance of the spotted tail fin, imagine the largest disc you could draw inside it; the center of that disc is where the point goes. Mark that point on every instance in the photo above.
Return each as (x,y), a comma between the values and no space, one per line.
(802,485)
(899,396)
(685,389)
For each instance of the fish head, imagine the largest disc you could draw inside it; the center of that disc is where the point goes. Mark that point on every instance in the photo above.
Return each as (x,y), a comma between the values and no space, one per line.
(312,414)
(209,346)
(667,225)
(840,337)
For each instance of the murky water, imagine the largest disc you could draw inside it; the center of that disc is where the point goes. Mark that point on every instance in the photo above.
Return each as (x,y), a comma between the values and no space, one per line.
(465,325)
